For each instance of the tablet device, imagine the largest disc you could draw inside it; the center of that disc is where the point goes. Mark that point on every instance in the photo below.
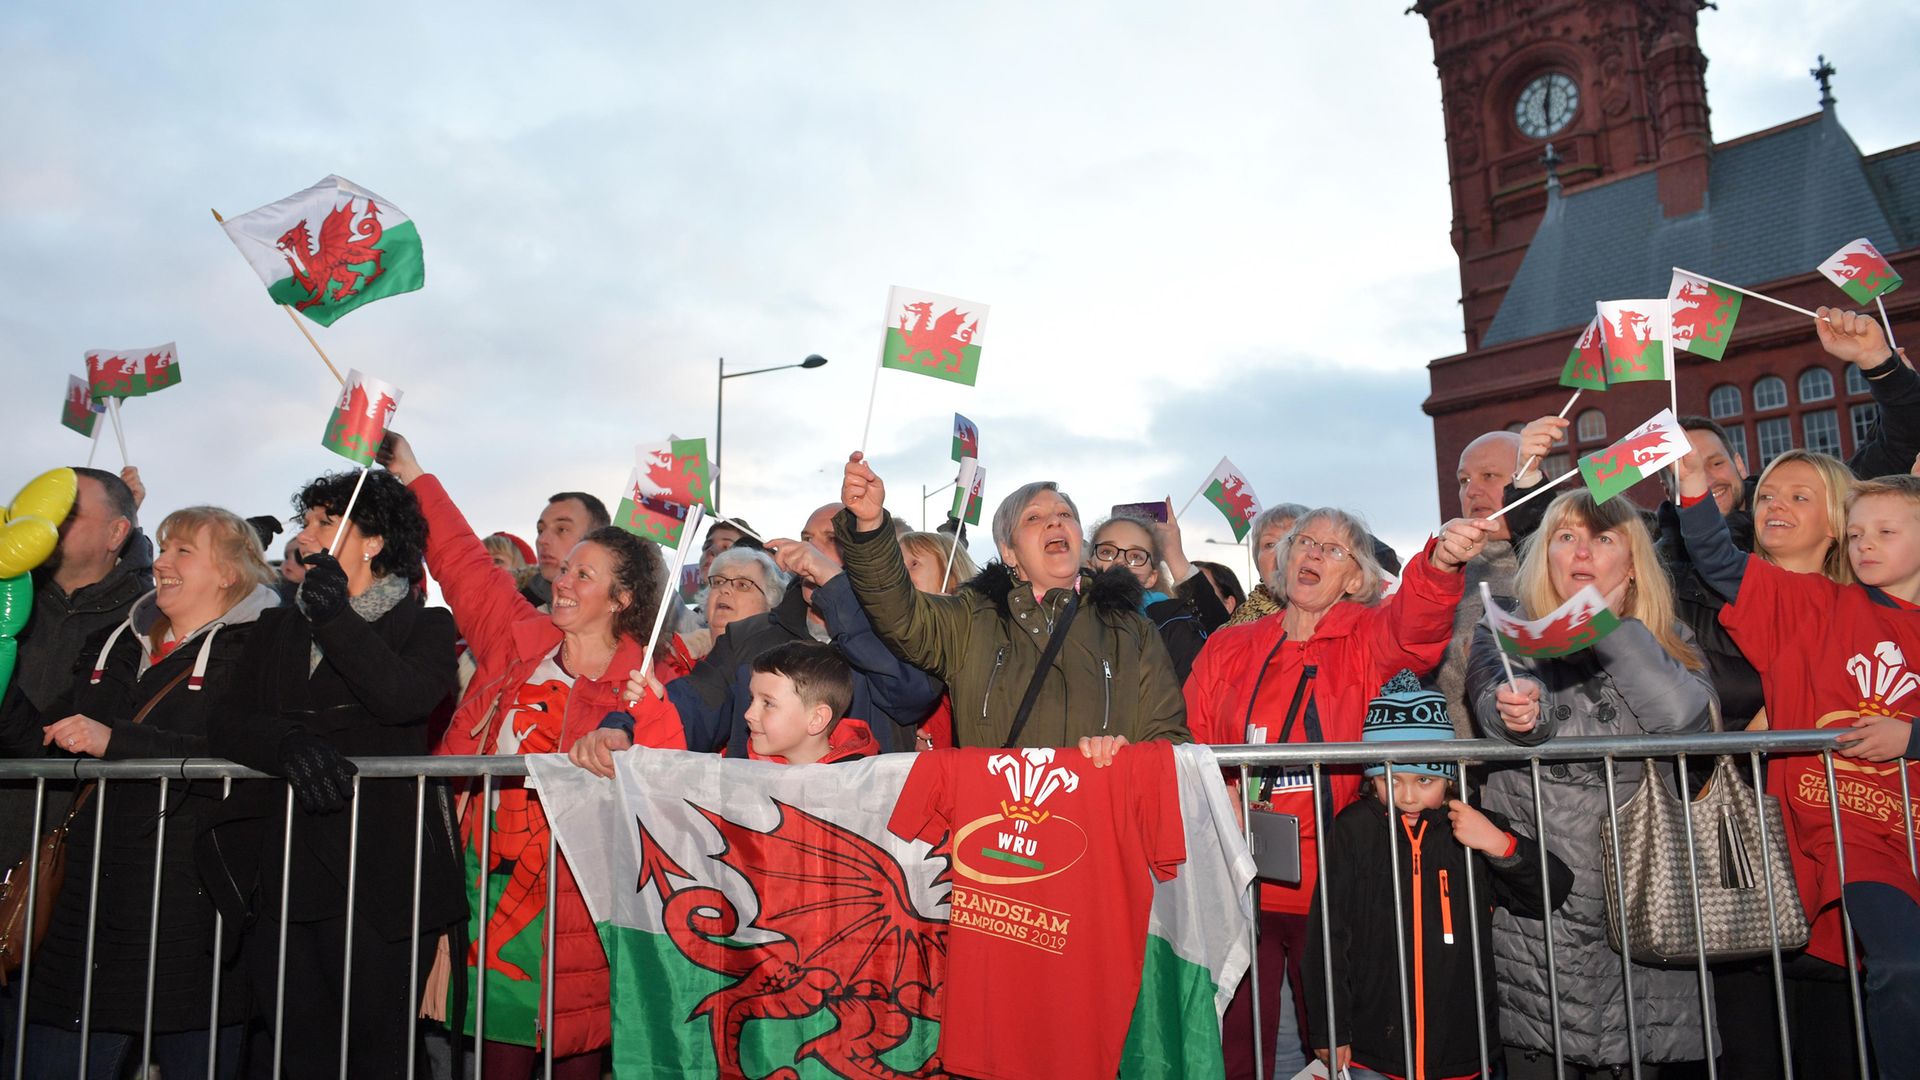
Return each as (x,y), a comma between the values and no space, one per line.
(1276,846)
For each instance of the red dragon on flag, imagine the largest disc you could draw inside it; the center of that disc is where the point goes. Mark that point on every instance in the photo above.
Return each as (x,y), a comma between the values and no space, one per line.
(1627,341)
(1628,453)
(1702,313)
(937,338)
(851,942)
(332,262)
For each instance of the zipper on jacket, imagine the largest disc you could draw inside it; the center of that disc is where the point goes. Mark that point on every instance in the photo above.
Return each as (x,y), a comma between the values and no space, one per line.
(1446,910)
(1106,693)
(999,658)
(1417,1068)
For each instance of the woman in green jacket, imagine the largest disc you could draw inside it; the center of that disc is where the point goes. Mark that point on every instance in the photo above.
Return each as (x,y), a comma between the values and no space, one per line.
(1110,681)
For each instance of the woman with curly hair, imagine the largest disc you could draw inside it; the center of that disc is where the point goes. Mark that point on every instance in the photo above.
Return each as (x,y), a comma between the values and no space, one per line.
(542,681)
(356,666)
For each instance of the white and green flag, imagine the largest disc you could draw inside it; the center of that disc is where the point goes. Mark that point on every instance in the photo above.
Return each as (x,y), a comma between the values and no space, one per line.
(331,248)
(712,879)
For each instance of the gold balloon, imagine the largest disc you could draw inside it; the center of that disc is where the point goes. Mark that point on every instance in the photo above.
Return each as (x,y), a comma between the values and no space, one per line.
(26,542)
(49,495)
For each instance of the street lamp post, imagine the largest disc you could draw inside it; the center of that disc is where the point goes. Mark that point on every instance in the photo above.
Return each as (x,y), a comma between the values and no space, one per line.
(719,406)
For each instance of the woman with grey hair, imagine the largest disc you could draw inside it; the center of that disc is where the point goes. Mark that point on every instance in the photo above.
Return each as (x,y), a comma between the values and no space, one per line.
(1269,528)
(1105,682)
(741,581)
(1306,675)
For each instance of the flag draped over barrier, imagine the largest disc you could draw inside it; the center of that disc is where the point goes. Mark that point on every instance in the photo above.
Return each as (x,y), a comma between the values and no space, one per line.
(707,876)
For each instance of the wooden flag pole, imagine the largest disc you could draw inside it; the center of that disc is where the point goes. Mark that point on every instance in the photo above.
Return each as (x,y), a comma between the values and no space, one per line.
(1562,415)
(695,514)
(1188,505)
(1748,292)
(947,574)
(346,516)
(1886,323)
(873,392)
(298,326)
(1548,486)
(94,447)
(113,410)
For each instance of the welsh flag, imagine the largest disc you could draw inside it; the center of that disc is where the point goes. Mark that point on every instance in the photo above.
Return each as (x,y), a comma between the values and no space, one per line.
(966,438)
(1861,271)
(1577,624)
(1634,335)
(1646,450)
(667,480)
(330,249)
(1703,315)
(1227,489)
(125,373)
(77,411)
(933,335)
(710,878)
(972,486)
(360,418)
(1586,367)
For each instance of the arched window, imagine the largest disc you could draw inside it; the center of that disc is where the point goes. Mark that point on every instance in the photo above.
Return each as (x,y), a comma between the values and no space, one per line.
(1592,425)
(1724,401)
(1856,380)
(1770,392)
(1816,384)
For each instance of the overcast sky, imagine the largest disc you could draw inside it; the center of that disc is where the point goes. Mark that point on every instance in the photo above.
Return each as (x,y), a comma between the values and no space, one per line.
(1158,201)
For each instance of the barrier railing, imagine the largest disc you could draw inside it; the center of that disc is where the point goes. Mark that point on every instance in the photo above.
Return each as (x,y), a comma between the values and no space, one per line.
(1610,752)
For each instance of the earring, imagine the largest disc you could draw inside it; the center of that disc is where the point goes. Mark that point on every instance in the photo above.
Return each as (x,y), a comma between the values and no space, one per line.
(366,556)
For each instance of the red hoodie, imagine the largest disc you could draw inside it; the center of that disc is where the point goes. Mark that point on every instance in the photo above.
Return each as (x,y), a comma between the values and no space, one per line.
(849,740)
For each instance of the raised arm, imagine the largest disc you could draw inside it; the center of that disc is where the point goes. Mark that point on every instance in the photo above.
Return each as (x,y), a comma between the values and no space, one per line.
(1858,339)
(930,632)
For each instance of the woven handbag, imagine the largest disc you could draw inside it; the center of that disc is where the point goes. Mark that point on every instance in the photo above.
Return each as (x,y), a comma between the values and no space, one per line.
(1739,919)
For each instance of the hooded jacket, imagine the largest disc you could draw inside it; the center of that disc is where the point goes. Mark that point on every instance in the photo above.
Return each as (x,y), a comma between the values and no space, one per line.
(1250,679)
(1626,684)
(1440,930)
(509,638)
(1112,675)
(850,740)
(124,677)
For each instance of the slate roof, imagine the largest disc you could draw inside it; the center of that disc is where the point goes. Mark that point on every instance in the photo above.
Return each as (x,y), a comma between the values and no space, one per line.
(1777,204)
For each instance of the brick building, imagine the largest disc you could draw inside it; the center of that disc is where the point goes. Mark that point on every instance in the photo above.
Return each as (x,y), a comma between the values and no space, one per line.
(1583,168)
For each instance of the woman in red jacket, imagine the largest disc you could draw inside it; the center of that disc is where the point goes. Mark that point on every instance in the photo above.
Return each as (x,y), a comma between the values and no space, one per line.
(541,682)
(1305,674)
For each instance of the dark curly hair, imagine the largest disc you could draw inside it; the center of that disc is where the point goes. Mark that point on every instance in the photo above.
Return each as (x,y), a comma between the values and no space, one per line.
(385,508)
(640,571)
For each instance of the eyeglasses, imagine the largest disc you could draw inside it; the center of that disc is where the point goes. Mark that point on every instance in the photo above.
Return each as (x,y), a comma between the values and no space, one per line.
(715,583)
(1314,547)
(1134,557)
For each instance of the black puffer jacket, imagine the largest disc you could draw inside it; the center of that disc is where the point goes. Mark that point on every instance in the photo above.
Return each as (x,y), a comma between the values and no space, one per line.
(175,728)
(377,687)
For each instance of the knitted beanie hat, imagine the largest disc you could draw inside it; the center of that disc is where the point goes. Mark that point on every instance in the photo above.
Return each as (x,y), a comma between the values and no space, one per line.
(1403,712)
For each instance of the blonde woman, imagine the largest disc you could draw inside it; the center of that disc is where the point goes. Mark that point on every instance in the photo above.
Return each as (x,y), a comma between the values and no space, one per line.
(166,667)
(1645,678)
(1800,514)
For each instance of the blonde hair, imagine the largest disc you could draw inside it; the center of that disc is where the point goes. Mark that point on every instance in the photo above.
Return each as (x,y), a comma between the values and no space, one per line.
(1839,482)
(232,544)
(930,545)
(1649,593)
(1899,485)
(1356,539)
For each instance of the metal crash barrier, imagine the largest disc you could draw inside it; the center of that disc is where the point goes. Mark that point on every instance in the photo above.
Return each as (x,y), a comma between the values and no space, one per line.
(1682,752)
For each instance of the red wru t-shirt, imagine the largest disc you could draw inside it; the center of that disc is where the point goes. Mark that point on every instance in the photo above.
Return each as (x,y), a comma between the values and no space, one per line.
(1830,655)
(1054,864)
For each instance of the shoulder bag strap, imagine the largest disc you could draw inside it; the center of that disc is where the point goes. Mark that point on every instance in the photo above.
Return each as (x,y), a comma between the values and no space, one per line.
(86,790)
(1047,657)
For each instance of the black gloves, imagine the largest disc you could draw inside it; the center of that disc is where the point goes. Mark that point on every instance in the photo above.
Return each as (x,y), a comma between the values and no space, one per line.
(323,592)
(321,779)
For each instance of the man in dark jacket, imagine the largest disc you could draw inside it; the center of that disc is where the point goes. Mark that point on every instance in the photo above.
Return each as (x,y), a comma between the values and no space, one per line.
(889,694)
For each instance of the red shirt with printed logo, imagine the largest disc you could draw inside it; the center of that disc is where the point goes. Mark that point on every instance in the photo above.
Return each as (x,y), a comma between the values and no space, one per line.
(1828,655)
(1054,864)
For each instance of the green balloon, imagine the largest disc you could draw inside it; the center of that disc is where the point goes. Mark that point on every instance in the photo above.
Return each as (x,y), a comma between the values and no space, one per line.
(9,650)
(16,603)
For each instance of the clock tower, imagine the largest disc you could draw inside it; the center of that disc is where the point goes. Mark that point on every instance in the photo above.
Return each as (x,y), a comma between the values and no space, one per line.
(1569,92)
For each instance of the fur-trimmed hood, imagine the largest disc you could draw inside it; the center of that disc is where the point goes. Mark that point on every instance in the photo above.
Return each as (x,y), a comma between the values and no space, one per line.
(1112,591)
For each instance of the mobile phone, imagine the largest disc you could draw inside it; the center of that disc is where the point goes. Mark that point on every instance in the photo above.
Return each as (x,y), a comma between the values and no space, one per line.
(1152,511)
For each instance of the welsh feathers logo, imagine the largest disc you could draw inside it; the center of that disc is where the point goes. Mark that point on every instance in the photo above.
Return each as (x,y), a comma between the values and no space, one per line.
(1025,841)
(847,943)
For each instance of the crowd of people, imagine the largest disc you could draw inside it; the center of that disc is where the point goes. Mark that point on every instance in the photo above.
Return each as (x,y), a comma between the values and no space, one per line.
(1741,602)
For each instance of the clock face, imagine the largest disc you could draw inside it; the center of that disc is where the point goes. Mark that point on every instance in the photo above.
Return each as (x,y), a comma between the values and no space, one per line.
(1546,106)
